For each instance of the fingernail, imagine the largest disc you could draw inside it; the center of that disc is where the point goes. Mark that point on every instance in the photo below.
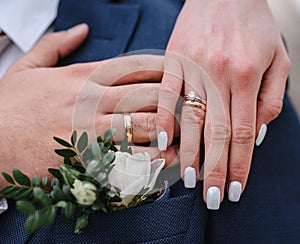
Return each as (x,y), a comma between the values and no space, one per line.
(78,29)
(213,196)
(189,177)
(261,134)
(235,191)
(162,141)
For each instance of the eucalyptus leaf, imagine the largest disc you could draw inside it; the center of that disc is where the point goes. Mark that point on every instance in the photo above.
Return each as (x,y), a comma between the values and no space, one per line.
(44,181)
(8,178)
(34,222)
(49,216)
(74,137)
(36,181)
(25,207)
(41,197)
(68,211)
(81,223)
(82,142)
(21,178)
(55,172)
(109,134)
(87,155)
(57,194)
(62,142)
(65,152)
(96,150)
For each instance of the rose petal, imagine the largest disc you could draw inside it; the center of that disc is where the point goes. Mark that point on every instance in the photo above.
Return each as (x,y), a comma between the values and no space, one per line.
(156,166)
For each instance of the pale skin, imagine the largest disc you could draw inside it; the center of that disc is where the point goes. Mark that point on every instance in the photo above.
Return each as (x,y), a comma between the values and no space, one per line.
(38,101)
(239,46)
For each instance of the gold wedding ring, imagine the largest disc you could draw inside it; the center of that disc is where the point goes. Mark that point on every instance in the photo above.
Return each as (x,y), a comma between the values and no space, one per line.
(192,99)
(128,126)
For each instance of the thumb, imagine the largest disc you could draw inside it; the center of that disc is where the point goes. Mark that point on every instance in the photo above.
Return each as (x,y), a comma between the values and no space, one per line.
(52,47)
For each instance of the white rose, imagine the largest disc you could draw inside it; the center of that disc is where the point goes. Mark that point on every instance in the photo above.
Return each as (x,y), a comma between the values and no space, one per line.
(84,192)
(131,173)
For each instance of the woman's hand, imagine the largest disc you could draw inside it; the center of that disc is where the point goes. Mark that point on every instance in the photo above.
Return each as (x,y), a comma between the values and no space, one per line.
(39,102)
(238,44)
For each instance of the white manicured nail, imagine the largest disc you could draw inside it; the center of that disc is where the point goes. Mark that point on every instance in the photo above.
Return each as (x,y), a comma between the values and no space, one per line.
(162,141)
(261,134)
(235,191)
(213,196)
(189,177)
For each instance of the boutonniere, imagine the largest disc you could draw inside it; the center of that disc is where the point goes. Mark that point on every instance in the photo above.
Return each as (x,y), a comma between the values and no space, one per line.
(94,178)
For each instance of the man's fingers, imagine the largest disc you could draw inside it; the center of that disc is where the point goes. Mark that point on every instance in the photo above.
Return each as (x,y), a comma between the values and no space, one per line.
(142,124)
(270,99)
(51,48)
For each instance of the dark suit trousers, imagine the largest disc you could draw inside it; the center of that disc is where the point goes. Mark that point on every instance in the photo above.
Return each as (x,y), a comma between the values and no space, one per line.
(268,211)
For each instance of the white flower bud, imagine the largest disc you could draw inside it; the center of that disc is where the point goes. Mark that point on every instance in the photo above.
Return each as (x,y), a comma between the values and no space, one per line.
(84,192)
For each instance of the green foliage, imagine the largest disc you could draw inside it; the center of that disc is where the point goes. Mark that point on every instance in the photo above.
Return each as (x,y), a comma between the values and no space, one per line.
(86,163)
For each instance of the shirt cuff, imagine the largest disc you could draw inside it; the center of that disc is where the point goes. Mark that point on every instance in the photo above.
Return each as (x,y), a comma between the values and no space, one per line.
(3,205)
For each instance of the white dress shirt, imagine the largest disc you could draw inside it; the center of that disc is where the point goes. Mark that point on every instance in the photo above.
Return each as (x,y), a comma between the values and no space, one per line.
(23,22)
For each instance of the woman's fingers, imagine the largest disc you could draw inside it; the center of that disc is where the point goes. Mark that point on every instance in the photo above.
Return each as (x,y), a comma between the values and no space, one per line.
(142,124)
(243,122)
(270,98)
(168,96)
(192,120)
(217,134)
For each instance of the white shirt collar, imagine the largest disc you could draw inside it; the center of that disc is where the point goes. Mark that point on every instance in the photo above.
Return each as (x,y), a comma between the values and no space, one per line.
(24,22)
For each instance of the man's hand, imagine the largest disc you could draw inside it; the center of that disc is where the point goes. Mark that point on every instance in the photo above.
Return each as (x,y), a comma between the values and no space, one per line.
(38,101)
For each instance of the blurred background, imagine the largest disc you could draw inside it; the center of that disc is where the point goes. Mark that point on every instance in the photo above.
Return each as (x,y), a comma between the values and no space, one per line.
(287,14)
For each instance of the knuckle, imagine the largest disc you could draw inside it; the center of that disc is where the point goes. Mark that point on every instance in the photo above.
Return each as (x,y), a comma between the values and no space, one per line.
(243,133)
(274,109)
(219,132)
(245,70)
(239,171)
(218,61)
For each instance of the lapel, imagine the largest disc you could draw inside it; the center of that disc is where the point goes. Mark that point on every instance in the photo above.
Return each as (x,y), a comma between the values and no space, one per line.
(108,35)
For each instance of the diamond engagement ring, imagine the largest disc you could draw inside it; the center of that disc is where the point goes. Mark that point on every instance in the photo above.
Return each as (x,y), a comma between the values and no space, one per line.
(192,99)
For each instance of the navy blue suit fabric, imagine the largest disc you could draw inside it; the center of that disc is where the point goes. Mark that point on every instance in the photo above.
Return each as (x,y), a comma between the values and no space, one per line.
(268,211)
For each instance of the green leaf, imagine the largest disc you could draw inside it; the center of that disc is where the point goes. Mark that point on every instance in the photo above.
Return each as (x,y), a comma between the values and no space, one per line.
(44,181)
(57,194)
(62,142)
(34,222)
(8,178)
(99,139)
(74,138)
(82,142)
(21,178)
(55,182)
(109,157)
(55,172)
(68,211)
(67,161)
(87,155)
(61,204)
(41,197)
(65,152)
(49,216)
(96,150)
(25,207)
(35,181)
(25,194)
(81,223)
(7,190)
(109,134)
(124,145)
